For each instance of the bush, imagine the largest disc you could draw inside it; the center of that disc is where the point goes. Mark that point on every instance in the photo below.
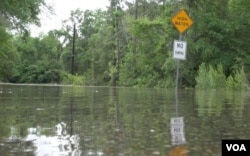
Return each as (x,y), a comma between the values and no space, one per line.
(73,79)
(217,78)
(168,82)
(210,77)
(214,78)
(238,81)
(202,78)
(39,72)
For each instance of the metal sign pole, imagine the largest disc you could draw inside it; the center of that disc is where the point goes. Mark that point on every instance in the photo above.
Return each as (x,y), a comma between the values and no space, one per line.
(176,87)
(177,80)
(182,22)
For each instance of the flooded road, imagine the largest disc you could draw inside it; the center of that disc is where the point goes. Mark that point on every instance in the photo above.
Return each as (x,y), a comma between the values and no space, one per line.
(82,121)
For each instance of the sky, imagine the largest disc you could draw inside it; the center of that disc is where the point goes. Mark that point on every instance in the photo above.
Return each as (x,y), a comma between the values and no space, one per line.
(62,9)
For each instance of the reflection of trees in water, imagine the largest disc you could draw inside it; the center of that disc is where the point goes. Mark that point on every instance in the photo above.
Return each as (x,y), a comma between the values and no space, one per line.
(110,122)
(220,115)
(129,121)
(36,143)
(235,102)
(214,102)
(140,125)
(210,103)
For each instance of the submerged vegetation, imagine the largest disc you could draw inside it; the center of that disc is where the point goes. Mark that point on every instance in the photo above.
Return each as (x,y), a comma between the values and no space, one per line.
(129,44)
(209,77)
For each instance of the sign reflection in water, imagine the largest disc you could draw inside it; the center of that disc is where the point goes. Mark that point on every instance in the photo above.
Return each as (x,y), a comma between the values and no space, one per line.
(177,131)
(178,139)
(122,121)
(60,144)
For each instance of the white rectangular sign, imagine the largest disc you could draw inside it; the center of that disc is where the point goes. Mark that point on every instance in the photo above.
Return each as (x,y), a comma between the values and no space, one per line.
(177,131)
(180,50)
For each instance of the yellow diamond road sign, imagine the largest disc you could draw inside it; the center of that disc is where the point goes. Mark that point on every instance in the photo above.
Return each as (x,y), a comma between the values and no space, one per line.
(181,21)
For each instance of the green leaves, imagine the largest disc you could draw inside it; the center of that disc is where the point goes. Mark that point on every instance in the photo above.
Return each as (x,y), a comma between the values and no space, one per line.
(39,72)
(214,78)
(8,55)
(131,45)
(210,77)
(17,14)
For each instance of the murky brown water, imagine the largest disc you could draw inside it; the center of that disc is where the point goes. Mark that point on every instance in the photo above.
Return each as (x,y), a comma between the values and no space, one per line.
(74,121)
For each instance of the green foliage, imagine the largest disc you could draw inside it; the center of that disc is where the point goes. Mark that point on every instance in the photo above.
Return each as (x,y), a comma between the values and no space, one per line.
(132,46)
(8,55)
(237,81)
(73,79)
(17,14)
(39,61)
(201,78)
(143,62)
(240,7)
(230,83)
(168,82)
(40,72)
(127,72)
(210,77)
(213,40)
(214,78)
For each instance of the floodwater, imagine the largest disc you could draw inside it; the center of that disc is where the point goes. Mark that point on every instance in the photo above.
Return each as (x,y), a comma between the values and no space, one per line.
(82,121)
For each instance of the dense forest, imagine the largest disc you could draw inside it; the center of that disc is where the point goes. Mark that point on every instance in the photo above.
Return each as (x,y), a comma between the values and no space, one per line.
(128,44)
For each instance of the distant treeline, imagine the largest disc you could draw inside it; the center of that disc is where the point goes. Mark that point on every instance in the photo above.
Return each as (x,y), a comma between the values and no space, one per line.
(129,44)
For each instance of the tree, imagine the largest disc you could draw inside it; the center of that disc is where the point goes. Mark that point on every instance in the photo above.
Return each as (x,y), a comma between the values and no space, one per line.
(143,63)
(211,39)
(130,44)
(17,14)
(39,61)
(239,12)
(50,46)
(8,55)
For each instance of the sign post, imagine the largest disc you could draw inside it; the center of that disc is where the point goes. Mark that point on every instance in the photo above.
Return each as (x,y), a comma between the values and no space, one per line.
(182,22)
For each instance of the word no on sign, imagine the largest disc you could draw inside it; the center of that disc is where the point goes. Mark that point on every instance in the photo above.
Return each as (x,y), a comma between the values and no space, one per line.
(180,50)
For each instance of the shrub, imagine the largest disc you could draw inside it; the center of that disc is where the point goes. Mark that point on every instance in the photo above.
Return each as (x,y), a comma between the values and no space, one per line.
(210,77)
(73,79)
(201,79)
(237,81)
